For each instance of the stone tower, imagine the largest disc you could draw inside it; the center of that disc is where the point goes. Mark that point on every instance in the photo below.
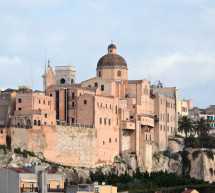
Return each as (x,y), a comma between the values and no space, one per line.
(65,74)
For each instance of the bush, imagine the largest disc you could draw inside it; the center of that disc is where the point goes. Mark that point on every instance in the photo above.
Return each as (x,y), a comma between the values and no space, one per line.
(4,148)
(196,154)
(210,154)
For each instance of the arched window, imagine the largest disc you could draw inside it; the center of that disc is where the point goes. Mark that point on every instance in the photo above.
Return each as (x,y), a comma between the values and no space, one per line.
(72,81)
(96,84)
(100,74)
(62,81)
(35,122)
(39,123)
(119,73)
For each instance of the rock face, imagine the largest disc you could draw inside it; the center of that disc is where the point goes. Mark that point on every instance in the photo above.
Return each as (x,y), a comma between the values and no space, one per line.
(201,165)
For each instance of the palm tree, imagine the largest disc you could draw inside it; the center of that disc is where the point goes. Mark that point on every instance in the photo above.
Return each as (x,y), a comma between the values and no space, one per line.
(185,125)
(202,126)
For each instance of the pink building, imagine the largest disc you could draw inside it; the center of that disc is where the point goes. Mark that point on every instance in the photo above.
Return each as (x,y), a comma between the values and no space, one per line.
(34,110)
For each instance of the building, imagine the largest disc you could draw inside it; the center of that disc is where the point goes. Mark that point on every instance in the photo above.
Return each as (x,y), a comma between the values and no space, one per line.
(32,178)
(81,188)
(7,106)
(33,110)
(190,191)
(182,108)
(127,115)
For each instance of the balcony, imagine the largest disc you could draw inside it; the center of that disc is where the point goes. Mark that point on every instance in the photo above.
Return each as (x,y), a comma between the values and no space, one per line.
(55,190)
(28,190)
(128,125)
(147,120)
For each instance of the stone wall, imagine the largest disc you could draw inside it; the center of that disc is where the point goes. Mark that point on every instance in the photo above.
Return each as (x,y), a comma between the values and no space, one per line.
(75,145)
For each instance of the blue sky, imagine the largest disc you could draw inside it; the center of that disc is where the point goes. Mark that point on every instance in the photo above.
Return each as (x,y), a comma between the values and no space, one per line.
(171,40)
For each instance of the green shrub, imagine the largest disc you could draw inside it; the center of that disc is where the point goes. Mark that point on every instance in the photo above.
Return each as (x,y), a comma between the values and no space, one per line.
(4,147)
(210,154)
(196,154)
(176,140)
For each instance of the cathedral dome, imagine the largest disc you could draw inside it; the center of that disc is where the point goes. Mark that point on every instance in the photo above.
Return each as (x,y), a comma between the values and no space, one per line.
(111,60)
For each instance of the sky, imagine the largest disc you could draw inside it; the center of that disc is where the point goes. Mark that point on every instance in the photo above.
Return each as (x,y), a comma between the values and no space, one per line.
(168,40)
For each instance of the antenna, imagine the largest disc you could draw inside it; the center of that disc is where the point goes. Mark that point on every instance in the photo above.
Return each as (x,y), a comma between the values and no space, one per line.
(45,74)
(32,79)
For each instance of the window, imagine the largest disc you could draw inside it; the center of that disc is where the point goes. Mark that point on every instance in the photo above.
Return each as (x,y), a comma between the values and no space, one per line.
(116,109)
(110,108)
(164,127)
(39,101)
(50,95)
(109,140)
(100,120)
(161,101)
(96,84)
(44,102)
(106,105)
(85,102)
(72,81)
(48,102)
(168,128)
(89,85)
(44,123)
(117,121)
(73,120)
(100,74)
(97,104)
(161,117)
(109,122)
(38,122)
(73,104)
(150,137)
(19,100)
(103,142)
(1,131)
(146,137)
(133,106)
(35,122)
(73,95)
(119,73)
(131,117)
(101,104)
(19,109)
(171,129)
(105,121)
(102,87)
(45,115)
(115,139)
(161,127)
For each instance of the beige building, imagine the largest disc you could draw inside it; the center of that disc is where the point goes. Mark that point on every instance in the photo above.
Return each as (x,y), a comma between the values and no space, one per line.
(31,178)
(82,188)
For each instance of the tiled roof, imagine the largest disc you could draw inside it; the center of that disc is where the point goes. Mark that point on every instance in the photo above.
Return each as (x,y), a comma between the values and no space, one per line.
(19,170)
(187,191)
(111,61)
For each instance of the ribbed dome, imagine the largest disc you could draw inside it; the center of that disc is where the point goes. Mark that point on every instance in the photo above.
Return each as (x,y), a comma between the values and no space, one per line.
(111,61)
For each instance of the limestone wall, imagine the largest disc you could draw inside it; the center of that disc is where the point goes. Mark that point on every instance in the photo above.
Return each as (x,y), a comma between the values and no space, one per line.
(75,145)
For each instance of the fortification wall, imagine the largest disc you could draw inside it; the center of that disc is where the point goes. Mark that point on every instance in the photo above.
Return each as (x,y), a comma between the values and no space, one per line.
(75,145)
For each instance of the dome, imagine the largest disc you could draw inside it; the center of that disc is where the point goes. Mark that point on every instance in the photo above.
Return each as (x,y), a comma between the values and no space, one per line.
(111,60)
(129,95)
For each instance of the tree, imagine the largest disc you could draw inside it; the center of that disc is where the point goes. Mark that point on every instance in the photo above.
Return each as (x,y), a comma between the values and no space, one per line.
(185,125)
(202,126)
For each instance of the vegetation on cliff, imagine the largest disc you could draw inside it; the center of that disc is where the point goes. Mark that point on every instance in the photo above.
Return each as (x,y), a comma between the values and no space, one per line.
(143,182)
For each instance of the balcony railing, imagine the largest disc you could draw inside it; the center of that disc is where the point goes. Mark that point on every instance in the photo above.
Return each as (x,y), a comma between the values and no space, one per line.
(74,124)
(55,190)
(29,190)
